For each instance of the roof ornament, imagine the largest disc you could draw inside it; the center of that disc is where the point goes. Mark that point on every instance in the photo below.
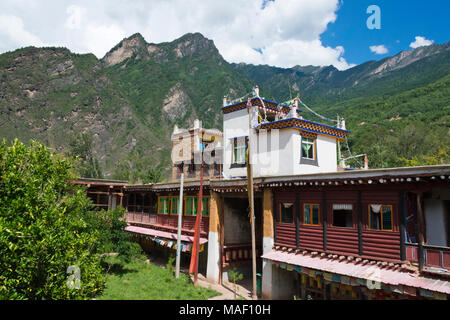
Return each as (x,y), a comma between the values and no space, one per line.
(293,109)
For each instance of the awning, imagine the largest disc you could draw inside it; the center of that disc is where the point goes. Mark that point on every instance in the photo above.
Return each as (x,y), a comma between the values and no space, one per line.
(162,234)
(367,272)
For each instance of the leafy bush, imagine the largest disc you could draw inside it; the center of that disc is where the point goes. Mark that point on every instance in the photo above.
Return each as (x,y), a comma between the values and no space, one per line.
(47,225)
(44,227)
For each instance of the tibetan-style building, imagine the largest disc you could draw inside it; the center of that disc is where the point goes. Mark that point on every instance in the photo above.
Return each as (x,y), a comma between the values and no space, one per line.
(321,233)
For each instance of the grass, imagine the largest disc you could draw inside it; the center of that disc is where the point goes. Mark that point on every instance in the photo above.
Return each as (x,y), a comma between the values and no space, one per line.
(138,280)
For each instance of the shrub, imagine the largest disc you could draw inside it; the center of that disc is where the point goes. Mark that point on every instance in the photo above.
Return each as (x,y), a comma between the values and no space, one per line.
(44,227)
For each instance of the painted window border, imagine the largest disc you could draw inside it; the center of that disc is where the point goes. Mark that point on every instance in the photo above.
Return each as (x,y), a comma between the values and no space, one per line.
(171,205)
(392,217)
(163,214)
(308,161)
(233,152)
(311,212)
(314,148)
(203,207)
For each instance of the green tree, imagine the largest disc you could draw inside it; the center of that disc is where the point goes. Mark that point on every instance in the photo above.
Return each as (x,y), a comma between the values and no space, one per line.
(44,227)
(235,276)
(152,175)
(81,149)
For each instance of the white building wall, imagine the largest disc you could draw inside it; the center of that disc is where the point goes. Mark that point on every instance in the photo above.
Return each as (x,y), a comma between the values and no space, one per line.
(235,124)
(274,153)
(326,155)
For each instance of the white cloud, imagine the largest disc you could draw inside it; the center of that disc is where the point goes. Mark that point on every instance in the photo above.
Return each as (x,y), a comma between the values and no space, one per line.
(287,32)
(75,17)
(420,42)
(380,49)
(13,34)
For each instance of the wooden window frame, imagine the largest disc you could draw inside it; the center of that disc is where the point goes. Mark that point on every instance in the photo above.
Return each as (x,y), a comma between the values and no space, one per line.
(196,199)
(234,147)
(280,203)
(353,216)
(381,222)
(163,214)
(313,150)
(311,213)
(171,204)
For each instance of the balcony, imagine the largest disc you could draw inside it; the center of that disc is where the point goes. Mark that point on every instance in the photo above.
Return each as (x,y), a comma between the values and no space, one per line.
(436,259)
(167,222)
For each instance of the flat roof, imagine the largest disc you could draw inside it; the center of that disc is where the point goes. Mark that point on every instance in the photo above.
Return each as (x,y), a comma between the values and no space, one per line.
(381,175)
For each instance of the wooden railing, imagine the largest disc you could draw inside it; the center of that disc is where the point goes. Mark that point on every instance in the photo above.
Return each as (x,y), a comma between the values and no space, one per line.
(433,256)
(238,253)
(168,222)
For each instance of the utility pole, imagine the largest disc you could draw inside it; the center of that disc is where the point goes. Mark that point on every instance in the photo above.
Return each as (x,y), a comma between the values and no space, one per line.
(250,197)
(180,208)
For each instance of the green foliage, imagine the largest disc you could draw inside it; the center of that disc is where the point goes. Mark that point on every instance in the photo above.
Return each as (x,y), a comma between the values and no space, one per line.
(113,238)
(81,148)
(123,104)
(138,280)
(43,227)
(235,276)
(137,169)
(169,265)
(48,224)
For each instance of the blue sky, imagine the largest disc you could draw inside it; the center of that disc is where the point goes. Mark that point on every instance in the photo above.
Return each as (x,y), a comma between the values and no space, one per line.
(281,33)
(401,22)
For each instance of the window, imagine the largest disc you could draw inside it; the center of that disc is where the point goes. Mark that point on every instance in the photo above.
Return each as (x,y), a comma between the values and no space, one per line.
(179,170)
(163,205)
(240,146)
(205,170)
(191,170)
(311,213)
(174,205)
(286,212)
(191,207)
(380,217)
(217,169)
(307,148)
(343,215)
(205,207)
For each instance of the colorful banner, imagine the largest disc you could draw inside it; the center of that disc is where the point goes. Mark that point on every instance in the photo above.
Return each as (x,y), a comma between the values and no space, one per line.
(345,280)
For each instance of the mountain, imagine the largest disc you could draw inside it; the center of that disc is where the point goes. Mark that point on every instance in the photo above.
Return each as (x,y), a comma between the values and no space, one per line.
(121,109)
(128,101)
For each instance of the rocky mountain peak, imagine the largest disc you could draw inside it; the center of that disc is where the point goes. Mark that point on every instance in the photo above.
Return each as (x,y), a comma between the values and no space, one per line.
(125,49)
(192,43)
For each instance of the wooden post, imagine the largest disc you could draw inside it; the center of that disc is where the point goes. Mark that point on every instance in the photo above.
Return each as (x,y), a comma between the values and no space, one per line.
(325,219)
(297,219)
(250,197)
(402,206)
(421,221)
(196,245)
(360,216)
(180,214)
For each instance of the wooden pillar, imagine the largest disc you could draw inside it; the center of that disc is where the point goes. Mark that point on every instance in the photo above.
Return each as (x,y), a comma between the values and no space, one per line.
(143,202)
(215,239)
(297,219)
(325,219)
(360,218)
(274,214)
(268,213)
(269,222)
(401,217)
(421,222)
